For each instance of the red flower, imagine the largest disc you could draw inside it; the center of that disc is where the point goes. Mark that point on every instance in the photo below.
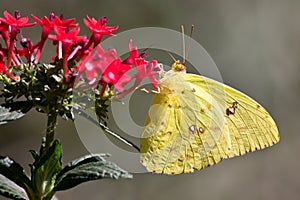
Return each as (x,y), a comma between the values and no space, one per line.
(114,72)
(3,70)
(49,23)
(98,28)
(133,54)
(96,63)
(54,20)
(134,57)
(15,22)
(106,65)
(65,40)
(148,70)
(145,69)
(66,37)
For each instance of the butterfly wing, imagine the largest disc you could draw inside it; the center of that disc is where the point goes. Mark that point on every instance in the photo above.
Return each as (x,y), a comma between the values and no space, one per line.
(185,129)
(189,125)
(250,126)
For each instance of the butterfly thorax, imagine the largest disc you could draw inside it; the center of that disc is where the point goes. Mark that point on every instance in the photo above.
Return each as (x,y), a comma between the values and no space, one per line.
(173,81)
(172,75)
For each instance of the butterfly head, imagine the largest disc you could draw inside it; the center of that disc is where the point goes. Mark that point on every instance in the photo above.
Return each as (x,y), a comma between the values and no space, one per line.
(177,66)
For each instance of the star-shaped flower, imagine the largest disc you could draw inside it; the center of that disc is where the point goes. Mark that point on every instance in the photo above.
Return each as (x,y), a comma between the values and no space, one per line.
(16,22)
(98,28)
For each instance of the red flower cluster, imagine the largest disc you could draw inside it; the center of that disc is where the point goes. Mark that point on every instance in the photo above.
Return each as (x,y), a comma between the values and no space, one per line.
(112,70)
(71,47)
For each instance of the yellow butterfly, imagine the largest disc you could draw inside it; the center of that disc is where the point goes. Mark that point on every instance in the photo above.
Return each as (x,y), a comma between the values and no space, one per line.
(195,122)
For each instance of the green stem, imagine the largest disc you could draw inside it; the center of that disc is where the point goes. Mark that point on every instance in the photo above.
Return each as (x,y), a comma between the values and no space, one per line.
(50,132)
(39,192)
(51,125)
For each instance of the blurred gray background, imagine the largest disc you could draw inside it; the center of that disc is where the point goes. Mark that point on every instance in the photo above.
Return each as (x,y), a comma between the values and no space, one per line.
(256,46)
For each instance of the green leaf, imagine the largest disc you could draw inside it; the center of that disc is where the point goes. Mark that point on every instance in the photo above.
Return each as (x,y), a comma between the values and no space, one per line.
(7,115)
(14,172)
(88,169)
(10,190)
(23,106)
(83,160)
(13,111)
(34,154)
(45,169)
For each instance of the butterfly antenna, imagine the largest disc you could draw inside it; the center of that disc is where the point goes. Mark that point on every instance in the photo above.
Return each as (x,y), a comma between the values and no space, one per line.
(183,44)
(173,58)
(189,44)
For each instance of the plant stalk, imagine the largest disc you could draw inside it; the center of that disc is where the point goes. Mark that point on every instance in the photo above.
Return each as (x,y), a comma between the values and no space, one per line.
(51,125)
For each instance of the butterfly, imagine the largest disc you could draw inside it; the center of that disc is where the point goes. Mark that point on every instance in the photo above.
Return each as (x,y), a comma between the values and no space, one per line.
(194,122)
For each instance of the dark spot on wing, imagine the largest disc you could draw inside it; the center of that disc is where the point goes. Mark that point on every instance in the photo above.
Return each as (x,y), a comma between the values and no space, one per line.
(193,90)
(235,104)
(192,128)
(201,130)
(257,106)
(231,110)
